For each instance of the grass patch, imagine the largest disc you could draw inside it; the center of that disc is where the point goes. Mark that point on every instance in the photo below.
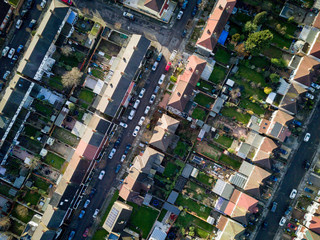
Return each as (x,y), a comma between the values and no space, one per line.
(86,95)
(218,74)
(142,218)
(205,179)
(248,91)
(205,86)
(70,60)
(32,198)
(97,73)
(199,113)
(100,234)
(54,160)
(232,112)
(261,62)
(203,100)
(43,109)
(251,75)
(113,199)
(171,170)
(227,160)
(290,28)
(162,214)
(181,149)
(25,215)
(254,107)
(95,29)
(40,183)
(185,220)
(4,189)
(222,55)
(55,82)
(16,227)
(280,40)
(65,136)
(224,141)
(201,210)
(272,52)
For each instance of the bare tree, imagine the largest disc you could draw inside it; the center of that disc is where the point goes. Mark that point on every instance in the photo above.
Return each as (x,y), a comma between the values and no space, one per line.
(22,211)
(71,78)
(5,223)
(66,50)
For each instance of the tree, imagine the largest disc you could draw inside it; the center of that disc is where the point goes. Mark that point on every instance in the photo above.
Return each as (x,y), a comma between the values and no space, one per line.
(267,90)
(258,41)
(291,19)
(66,50)
(260,18)
(274,77)
(279,62)
(236,37)
(21,211)
(71,78)
(250,27)
(5,224)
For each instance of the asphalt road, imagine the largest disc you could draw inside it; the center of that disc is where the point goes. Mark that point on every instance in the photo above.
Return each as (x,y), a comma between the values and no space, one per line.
(20,37)
(292,178)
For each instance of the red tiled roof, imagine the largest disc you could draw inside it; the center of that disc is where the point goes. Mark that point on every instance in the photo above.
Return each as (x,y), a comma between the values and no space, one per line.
(215,24)
(264,126)
(316,22)
(268,145)
(248,203)
(306,70)
(315,49)
(229,209)
(315,225)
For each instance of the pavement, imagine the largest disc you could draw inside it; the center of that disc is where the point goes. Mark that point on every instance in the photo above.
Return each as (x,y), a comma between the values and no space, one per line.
(294,174)
(19,37)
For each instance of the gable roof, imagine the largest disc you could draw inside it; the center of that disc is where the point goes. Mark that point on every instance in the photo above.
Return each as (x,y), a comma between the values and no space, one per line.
(315,48)
(215,24)
(263,159)
(155,5)
(144,162)
(306,70)
(268,145)
(282,117)
(289,101)
(255,180)
(181,96)
(169,123)
(229,228)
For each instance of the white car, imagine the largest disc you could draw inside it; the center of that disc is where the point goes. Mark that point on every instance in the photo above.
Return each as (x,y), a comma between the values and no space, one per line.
(19,23)
(155,65)
(307,137)
(5,51)
(113,151)
(11,53)
(310,96)
(316,86)
(161,79)
(153,97)
(101,175)
(282,221)
(293,194)
(43,4)
(136,104)
(147,110)
(6,75)
(124,125)
(86,204)
(135,131)
(131,114)
(180,15)
(141,121)
(123,158)
(142,92)
(95,213)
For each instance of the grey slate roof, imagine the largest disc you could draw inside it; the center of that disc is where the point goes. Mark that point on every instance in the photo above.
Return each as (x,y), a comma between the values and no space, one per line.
(218,104)
(276,129)
(173,197)
(187,171)
(239,180)
(171,208)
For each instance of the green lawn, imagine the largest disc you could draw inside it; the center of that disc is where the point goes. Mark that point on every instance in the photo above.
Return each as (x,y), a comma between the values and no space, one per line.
(97,73)
(55,82)
(43,109)
(40,183)
(205,86)
(199,113)
(280,41)
(255,107)
(201,210)
(171,170)
(224,141)
(95,29)
(86,95)
(162,214)
(185,220)
(16,227)
(248,90)
(261,62)
(181,149)
(227,160)
(113,199)
(290,28)
(272,52)
(65,136)
(24,218)
(232,112)
(203,100)
(222,55)
(218,74)
(54,160)
(4,189)
(251,75)
(32,198)
(100,234)
(205,179)
(142,218)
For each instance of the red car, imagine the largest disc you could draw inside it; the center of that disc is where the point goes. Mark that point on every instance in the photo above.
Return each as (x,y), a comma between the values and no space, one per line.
(69,2)
(290,225)
(85,234)
(168,66)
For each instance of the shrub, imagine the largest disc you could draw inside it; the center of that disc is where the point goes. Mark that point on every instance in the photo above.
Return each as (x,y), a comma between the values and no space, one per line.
(236,37)
(279,62)
(260,18)
(274,77)
(173,79)
(267,90)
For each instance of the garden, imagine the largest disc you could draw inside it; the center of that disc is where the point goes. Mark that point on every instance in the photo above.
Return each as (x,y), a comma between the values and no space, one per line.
(54,160)
(16,227)
(223,140)
(206,179)
(42,108)
(22,213)
(252,106)
(65,136)
(40,183)
(193,206)
(205,86)
(181,149)
(222,55)
(229,161)
(199,113)
(237,114)
(203,100)
(31,198)
(218,74)
(209,150)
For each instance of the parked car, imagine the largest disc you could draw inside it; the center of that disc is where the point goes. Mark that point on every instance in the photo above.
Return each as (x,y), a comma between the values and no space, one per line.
(141,121)
(184,5)
(152,98)
(5,51)
(293,194)
(310,96)
(11,53)
(161,79)
(307,137)
(147,110)
(95,213)
(43,4)
(294,227)
(82,214)
(86,204)
(282,151)
(117,143)
(123,157)
(24,13)
(296,122)
(118,168)
(311,89)
(126,151)
(29,4)
(288,211)
(194,11)
(179,16)
(135,131)
(6,75)
(131,114)
(282,221)
(101,175)
(316,86)
(124,125)
(71,235)
(159,57)
(306,164)
(14,59)
(264,226)
(274,207)
(154,66)
(113,151)
(156,89)
(69,2)
(93,191)
(18,24)
(308,190)
(168,66)
(85,233)
(184,33)
(143,90)
(32,23)
(136,104)
(128,15)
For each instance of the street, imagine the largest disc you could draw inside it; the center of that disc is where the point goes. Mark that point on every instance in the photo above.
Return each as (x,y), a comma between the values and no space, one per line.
(20,36)
(292,178)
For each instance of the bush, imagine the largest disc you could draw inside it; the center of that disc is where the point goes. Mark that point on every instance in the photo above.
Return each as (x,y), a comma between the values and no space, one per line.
(236,37)
(260,18)
(267,90)
(274,77)
(258,41)
(250,27)
(279,62)
(173,79)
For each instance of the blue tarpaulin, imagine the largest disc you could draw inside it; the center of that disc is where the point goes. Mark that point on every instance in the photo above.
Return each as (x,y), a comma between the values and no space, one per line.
(72,17)
(223,37)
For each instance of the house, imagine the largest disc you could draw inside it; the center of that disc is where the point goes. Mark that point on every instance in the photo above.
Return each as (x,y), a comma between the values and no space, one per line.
(214,26)
(264,152)
(289,102)
(148,160)
(277,126)
(304,233)
(186,83)
(118,217)
(116,90)
(158,234)
(247,149)
(229,229)
(164,132)
(37,59)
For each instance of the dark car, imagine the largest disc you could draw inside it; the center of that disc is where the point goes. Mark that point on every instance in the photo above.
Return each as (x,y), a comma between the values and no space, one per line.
(127,149)
(29,4)
(199,2)
(295,122)
(194,11)
(93,191)
(24,13)
(118,168)
(184,33)
(282,151)
(264,226)
(149,54)
(306,165)
(19,49)
(71,235)
(288,211)
(14,59)
(86,232)
(117,143)
(32,23)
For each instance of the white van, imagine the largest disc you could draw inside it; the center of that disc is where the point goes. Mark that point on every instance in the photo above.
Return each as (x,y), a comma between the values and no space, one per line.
(136,104)
(131,114)
(161,79)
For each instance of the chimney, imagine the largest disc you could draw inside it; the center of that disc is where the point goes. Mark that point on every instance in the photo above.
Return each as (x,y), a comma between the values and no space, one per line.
(208,31)
(220,7)
(197,72)
(190,69)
